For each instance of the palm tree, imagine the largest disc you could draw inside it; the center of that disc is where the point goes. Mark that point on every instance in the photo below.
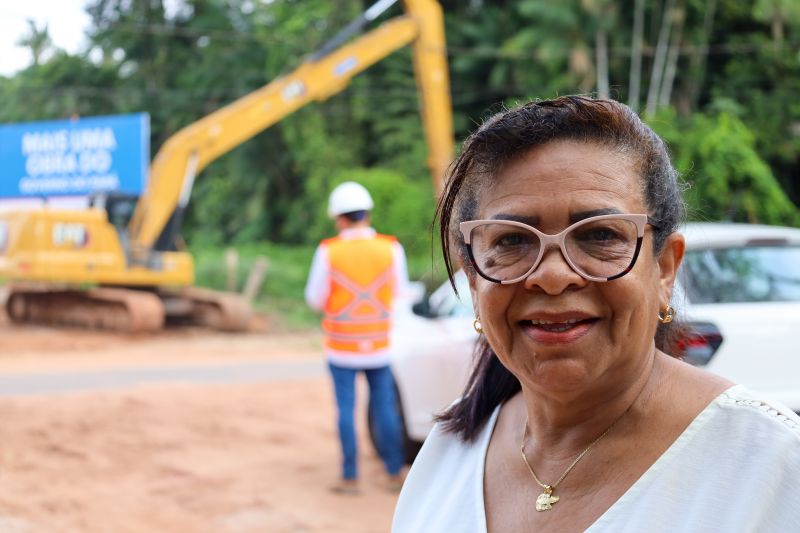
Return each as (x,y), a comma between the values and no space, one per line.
(635,81)
(660,58)
(602,14)
(37,39)
(679,17)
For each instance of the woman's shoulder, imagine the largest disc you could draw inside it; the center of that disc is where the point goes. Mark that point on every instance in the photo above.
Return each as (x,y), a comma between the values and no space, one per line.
(746,408)
(444,488)
(741,425)
(734,448)
(705,398)
(445,450)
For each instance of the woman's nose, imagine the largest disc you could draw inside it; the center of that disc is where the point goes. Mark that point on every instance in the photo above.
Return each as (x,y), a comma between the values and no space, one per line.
(554,274)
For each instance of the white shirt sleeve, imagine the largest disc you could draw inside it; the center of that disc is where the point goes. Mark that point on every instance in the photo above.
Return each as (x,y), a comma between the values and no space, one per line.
(402,289)
(317,287)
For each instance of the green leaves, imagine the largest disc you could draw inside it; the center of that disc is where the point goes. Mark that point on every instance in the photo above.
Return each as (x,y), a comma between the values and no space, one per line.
(729,180)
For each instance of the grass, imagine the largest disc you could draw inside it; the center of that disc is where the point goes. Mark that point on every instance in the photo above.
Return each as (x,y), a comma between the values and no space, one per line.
(281,296)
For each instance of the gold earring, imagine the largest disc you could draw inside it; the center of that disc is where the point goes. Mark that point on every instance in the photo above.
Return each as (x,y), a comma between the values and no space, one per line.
(477,325)
(667,315)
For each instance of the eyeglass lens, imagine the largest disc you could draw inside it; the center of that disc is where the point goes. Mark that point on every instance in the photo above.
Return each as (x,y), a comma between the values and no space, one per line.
(600,248)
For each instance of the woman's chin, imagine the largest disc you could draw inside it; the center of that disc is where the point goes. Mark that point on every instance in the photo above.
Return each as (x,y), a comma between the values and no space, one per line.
(560,375)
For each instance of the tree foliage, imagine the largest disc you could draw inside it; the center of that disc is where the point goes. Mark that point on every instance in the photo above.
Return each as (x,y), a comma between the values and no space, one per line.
(726,87)
(733,182)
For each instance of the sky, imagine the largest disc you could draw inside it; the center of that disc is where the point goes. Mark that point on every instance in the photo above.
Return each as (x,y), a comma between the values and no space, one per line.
(66,21)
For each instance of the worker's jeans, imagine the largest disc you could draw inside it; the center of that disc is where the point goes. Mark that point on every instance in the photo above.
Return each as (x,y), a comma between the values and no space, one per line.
(383,411)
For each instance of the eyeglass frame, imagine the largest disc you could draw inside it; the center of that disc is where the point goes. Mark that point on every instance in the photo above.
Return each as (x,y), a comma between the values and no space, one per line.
(558,240)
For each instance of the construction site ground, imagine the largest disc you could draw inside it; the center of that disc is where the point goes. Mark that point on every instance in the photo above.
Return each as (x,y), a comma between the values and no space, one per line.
(184,431)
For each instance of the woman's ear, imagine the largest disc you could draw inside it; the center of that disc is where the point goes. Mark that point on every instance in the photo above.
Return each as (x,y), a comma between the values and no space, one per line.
(669,260)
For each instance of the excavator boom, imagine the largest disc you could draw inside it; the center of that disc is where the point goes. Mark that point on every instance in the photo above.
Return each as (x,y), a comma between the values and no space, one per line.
(191,149)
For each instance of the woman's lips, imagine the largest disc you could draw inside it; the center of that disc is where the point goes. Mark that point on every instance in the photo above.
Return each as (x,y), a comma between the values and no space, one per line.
(557,332)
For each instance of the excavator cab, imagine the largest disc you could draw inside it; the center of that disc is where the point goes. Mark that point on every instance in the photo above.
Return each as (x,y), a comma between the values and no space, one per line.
(119,207)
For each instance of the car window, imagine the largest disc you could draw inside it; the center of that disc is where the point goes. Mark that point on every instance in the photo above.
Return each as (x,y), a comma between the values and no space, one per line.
(743,274)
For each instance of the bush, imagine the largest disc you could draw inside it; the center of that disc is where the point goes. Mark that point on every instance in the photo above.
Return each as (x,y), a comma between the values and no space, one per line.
(403,207)
(728,179)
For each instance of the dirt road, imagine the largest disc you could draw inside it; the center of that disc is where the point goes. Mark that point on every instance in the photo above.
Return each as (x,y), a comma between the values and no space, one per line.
(171,452)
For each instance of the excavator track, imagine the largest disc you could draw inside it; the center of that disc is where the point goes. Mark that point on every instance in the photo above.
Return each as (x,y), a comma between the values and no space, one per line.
(114,309)
(126,310)
(207,308)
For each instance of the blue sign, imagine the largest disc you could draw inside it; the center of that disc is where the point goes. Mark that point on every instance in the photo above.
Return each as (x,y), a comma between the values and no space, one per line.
(75,157)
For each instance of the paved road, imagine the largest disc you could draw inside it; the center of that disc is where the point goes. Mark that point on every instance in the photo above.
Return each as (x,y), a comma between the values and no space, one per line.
(117,378)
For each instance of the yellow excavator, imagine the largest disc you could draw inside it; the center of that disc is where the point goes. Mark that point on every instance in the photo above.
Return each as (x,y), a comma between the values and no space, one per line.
(120,264)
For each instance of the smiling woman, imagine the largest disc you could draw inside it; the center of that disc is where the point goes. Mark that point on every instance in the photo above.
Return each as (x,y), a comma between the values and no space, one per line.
(564,215)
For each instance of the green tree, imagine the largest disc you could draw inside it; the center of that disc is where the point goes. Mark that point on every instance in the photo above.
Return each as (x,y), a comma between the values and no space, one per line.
(62,87)
(778,13)
(728,179)
(410,220)
(38,40)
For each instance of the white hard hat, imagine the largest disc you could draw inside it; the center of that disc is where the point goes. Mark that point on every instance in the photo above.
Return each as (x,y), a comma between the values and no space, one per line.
(348,197)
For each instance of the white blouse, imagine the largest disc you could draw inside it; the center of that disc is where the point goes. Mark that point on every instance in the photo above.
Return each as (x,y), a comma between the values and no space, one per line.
(740,455)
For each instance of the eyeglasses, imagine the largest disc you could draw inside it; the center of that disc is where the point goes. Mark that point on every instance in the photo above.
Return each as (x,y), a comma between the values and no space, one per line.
(601,248)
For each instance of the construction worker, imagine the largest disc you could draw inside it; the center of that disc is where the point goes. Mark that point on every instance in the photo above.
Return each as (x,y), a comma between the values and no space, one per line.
(355,278)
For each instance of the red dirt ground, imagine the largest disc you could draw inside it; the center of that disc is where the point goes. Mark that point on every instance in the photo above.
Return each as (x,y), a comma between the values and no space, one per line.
(167,457)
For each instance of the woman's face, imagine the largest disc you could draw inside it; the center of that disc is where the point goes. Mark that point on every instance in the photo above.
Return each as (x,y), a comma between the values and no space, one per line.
(554,330)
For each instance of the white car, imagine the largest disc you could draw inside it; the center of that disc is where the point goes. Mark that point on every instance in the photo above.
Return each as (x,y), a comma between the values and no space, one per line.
(745,280)
(739,288)
(433,346)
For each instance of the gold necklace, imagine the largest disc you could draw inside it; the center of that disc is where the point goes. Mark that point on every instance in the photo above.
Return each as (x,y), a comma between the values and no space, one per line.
(546,499)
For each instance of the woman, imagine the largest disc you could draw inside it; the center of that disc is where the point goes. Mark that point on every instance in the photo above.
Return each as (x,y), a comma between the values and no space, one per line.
(564,215)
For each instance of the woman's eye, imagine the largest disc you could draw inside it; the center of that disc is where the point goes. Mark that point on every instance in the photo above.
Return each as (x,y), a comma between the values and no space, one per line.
(599,235)
(512,239)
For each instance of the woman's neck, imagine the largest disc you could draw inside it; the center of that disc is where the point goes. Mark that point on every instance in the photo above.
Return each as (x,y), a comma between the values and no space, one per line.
(567,423)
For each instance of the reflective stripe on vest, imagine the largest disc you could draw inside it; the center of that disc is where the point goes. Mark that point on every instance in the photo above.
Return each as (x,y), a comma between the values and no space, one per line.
(358,308)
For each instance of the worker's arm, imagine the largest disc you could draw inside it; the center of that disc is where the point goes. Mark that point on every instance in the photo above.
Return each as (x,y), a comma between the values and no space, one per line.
(317,286)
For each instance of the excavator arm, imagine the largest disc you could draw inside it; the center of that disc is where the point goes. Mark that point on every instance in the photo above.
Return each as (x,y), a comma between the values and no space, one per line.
(159,211)
(138,281)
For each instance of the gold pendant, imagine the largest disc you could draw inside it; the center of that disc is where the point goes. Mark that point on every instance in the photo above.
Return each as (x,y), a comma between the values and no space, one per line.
(546,499)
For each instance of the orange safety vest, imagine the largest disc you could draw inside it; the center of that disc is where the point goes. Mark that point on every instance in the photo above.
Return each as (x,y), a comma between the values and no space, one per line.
(359,304)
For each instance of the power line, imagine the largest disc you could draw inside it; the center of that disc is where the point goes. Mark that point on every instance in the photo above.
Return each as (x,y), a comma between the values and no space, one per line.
(493,52)
(625,51)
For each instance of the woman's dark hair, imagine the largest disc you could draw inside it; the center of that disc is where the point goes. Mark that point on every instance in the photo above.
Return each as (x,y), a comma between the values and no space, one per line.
(499,140)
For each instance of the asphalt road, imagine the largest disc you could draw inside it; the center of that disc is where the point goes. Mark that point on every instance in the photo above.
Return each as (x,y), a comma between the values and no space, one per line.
(117,378)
